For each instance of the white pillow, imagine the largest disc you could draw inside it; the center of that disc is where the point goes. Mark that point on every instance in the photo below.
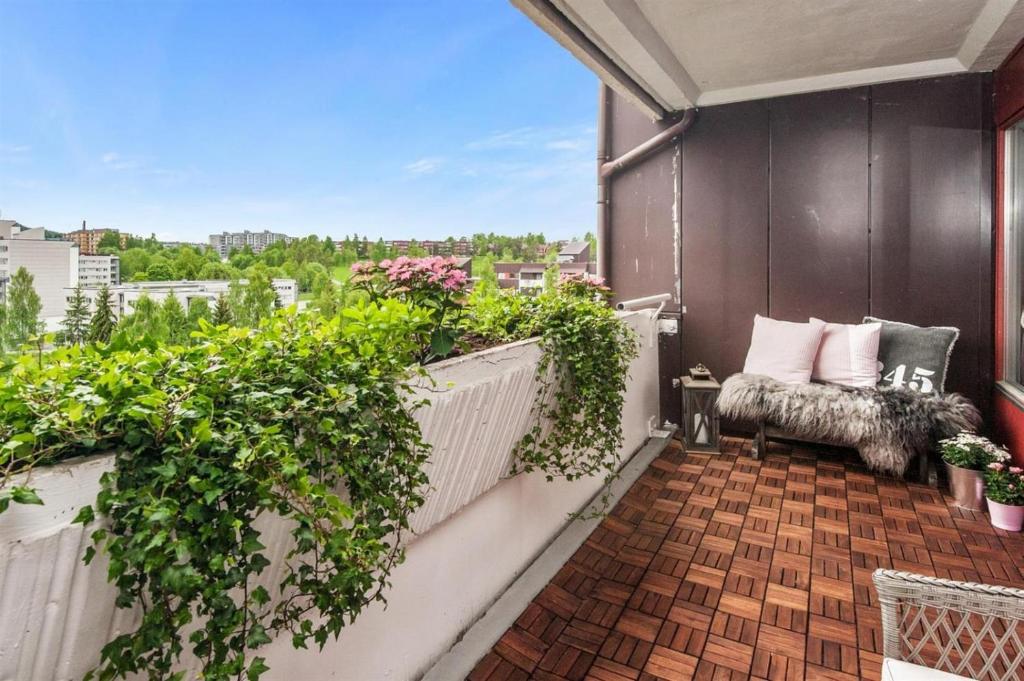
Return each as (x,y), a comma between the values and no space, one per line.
(848,354)
(784,351)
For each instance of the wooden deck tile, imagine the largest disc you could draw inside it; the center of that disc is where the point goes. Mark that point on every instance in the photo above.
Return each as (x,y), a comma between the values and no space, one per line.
(722,567)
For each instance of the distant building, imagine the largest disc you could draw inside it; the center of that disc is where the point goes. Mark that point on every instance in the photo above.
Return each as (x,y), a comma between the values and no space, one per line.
(178,244)
(225,242)
(460,248)
(53,265)
(466,265)
(574,252)
(96,270)
(88,240)
(124,296)
(530,275)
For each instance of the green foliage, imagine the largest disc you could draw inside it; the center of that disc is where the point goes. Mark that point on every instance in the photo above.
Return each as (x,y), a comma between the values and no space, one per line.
(21,322)
(306,418)
(198,308)
(174,319)
(251,301)
(145,321)
(76,318)
(501,317)
(586,355)
(435,284)
(303,417)
(221,311)
(1004,483)
(103,321)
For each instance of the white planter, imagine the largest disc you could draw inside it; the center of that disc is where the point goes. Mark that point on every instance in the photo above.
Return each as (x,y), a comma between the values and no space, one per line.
(57,612)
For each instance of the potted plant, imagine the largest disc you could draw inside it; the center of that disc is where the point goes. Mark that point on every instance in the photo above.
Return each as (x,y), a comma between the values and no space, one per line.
(1004,489)
(966,456)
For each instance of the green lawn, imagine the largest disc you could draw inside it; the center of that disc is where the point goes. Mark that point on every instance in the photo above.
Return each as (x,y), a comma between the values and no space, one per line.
(342,272)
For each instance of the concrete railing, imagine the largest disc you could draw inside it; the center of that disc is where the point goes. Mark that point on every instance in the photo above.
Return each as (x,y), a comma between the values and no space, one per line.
(476,531)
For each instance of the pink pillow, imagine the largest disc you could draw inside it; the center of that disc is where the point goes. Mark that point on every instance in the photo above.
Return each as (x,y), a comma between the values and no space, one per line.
(848,354)
(784,351)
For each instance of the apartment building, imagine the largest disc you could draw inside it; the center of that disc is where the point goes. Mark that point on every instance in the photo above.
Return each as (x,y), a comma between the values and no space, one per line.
(96,270)
(225,242)
(125,296)
(88,240)
(574,252)
(461,248)
(53,265)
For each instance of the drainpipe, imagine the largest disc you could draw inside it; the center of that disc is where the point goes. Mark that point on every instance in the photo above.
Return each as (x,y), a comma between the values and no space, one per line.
(603,181)
(607,168)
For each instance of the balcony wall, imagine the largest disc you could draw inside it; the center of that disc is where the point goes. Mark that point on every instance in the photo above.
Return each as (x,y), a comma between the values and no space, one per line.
(477,530)
(872,200)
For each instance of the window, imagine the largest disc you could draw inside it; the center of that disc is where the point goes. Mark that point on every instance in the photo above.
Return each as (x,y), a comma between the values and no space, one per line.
(1013,252)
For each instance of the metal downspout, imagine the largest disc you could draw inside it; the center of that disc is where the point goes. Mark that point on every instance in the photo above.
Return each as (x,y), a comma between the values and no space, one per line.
(603,181)
(606,168)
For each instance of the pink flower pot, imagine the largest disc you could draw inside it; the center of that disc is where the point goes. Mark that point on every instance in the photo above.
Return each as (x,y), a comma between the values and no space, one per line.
(1006,517)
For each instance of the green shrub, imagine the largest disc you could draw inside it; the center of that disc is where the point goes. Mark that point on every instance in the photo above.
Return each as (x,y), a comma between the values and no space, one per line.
(306,418)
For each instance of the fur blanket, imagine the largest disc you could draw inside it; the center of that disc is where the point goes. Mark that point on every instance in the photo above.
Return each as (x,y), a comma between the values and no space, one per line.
(888,426)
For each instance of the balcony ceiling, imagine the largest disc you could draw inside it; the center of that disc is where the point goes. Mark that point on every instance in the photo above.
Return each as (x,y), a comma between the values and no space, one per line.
(669,55)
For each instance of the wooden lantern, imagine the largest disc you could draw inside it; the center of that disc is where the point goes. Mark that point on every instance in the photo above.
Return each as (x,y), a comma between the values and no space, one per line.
(700,411)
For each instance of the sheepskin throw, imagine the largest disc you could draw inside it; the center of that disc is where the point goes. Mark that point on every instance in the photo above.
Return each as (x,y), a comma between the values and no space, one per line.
(887,425)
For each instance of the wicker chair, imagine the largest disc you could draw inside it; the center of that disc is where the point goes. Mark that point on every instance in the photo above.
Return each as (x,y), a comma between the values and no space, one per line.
(973,630)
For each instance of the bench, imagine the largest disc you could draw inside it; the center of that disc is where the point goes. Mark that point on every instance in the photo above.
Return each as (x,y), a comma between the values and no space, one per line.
(888,426)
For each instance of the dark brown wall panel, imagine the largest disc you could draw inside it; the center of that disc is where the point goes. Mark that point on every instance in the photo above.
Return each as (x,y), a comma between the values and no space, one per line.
(725,233)
(642,254)
(780,212)
(819,209)
(930,214)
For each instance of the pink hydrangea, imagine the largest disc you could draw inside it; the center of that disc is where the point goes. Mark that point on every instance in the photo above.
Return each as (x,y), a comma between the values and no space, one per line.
(1016,470)
(997,466)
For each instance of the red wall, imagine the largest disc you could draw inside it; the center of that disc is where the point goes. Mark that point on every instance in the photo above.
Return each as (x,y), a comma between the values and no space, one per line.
(1008,416)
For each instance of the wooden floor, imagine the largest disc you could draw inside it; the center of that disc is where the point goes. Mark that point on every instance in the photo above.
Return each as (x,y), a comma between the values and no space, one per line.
(722,567)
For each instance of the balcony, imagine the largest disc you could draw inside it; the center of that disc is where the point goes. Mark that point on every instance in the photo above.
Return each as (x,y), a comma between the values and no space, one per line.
(840,161)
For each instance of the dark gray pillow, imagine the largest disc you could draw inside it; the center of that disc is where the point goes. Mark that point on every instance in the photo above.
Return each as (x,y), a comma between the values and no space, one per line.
(914,357)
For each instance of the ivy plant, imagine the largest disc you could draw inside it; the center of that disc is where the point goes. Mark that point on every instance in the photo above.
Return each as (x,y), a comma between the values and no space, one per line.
(586,353)
(306,419)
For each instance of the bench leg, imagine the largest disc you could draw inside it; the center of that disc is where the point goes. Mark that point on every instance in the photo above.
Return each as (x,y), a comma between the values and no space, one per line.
(760,447)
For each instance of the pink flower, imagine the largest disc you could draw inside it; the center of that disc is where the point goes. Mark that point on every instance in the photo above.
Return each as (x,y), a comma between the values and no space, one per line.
(1016,470)
(385,263)
(996,466)
(1011,487)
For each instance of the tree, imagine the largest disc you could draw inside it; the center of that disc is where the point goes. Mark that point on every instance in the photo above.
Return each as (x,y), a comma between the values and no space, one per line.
(198,308)
(221,311)
(76,318)
(110,240)
(23,307)
(159,270)
(146,320)
(253,300)
(551,272)
(174,319)
(328,301)
(102,324)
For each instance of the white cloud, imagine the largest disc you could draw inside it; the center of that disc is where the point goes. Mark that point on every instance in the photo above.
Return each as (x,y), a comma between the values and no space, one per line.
(568,145)
(425,166)
(116,161)
(519,137)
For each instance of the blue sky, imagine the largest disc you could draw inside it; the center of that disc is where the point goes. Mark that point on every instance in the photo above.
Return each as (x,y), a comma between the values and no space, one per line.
(403,118)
